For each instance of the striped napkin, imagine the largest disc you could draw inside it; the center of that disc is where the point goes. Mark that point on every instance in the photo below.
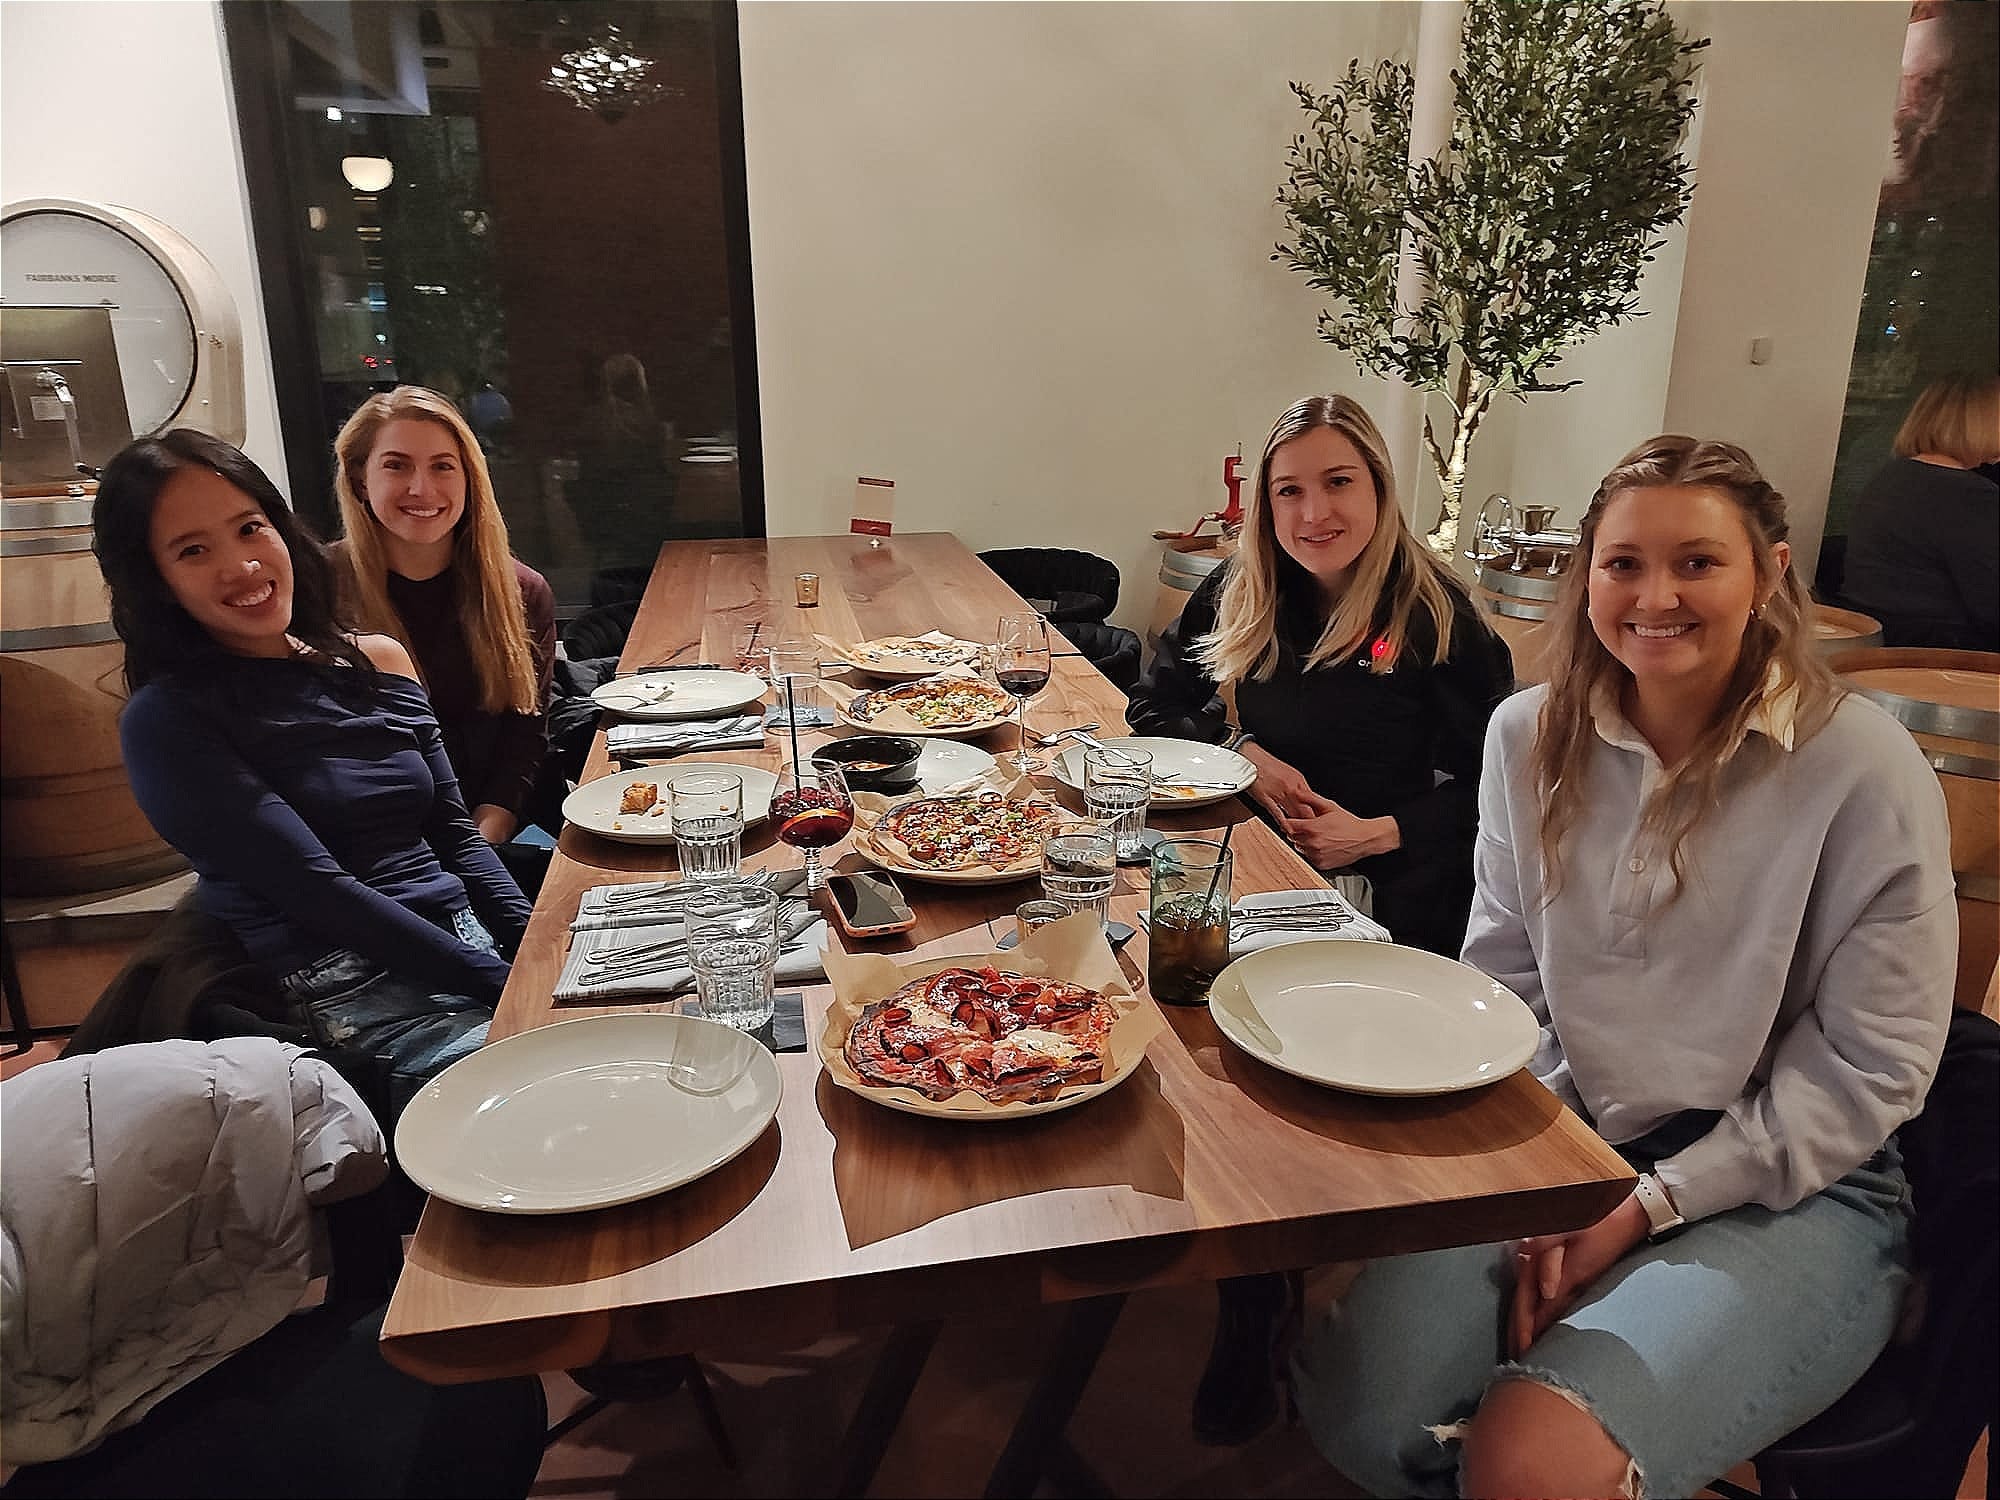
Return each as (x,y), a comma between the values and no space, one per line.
(647,903)
(583,976)
(736,732)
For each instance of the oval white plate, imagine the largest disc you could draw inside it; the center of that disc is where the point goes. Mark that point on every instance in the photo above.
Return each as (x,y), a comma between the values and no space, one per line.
(593,806)
(1375,1018)
(588,1113)
(1176,758)
(947,762)
(693,695)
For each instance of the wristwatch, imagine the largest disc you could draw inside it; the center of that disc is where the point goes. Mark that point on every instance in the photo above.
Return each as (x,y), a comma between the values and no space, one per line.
(1661,1215)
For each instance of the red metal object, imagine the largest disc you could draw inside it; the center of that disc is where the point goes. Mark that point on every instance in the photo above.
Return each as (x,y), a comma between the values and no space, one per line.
(1230,517)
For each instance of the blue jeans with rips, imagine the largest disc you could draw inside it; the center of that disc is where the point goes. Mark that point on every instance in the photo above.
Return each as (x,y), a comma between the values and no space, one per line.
(410,1033)
(1694,1352)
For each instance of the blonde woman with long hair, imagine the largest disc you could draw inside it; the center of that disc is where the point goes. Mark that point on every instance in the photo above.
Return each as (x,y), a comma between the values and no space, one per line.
(1725,889)
(1363,675)
(1920,550)
(425,559)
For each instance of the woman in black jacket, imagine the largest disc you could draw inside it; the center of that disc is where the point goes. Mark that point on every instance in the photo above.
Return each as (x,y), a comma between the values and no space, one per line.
(1363,674)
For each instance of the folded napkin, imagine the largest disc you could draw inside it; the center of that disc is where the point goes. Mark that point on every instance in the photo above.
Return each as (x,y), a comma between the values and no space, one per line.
(1341,919)
(647,903)
(584,978)
(736,732)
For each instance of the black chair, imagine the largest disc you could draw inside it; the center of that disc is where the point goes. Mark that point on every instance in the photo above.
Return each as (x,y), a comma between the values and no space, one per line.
(1908,1426)
(601,631)
(1066,585)
(1112,649)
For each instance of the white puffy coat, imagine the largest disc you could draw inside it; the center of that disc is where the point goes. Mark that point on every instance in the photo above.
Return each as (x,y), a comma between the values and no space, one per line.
(155,1217)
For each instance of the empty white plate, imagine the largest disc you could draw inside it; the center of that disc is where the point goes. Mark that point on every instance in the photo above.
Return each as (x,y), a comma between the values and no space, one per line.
(678,695)
(1178,761)
(593,806)
(588,1113)
(1373,1017)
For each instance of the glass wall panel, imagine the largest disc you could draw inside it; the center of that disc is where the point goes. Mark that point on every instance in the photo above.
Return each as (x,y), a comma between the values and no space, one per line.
(1931,303)
(527,207)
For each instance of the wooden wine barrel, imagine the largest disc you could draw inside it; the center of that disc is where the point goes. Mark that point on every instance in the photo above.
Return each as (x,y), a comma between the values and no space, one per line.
(1950,700)
(1181,573)
(1838,630)
(1518,606)
(71,822)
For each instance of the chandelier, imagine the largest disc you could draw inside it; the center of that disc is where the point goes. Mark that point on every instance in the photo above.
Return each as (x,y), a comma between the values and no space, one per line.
(602,76)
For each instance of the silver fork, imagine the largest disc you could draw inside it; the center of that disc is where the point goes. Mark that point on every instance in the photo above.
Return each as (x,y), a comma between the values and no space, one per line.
(669,891)
(1332,922)
(789,912)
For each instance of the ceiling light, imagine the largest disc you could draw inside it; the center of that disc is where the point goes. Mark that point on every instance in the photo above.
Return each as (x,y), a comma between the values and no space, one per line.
(367,174)
(604,77)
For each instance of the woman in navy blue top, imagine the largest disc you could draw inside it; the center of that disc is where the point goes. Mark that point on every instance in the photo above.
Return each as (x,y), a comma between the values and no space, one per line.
(299,769)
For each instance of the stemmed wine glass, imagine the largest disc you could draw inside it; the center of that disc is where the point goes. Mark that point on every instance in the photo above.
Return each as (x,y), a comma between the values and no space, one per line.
(814,814)
(1021,666)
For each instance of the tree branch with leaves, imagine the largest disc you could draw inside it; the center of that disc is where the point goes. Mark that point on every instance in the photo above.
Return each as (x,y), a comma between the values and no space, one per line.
(1530,229)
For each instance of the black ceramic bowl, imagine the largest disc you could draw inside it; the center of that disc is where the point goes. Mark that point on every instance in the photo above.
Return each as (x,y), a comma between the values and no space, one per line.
(893,760)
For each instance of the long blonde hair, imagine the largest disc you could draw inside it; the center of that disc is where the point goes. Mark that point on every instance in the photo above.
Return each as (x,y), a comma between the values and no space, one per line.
(1580,667)
(1244,644)
(490,612)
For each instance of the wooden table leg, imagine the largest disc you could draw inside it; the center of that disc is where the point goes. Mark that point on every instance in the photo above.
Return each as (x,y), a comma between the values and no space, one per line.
(1038,1435)
(874,1423)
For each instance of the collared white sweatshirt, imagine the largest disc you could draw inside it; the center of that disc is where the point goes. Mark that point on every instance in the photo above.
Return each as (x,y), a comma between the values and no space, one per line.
(1801,983)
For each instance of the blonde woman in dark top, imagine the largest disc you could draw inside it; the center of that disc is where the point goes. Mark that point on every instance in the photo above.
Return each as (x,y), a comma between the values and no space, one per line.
(425,560)
(1923,551)
(1363,674)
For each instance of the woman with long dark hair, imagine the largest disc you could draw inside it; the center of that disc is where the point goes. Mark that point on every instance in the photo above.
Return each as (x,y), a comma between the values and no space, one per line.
(1724,886)
(298,767)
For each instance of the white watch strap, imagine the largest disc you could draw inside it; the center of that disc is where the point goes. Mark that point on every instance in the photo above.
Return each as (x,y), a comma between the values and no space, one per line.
(1661,1215)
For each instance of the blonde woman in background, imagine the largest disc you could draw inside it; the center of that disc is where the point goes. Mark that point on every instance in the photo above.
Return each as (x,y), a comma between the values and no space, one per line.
(425,559)
(1724,888)
(1921,553)
(1363,674)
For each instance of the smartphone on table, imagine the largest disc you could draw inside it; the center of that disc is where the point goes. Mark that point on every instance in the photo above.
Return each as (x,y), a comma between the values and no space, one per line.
(869,904)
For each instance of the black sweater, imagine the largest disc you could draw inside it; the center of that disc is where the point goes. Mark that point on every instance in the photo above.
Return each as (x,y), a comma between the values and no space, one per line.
(1374,743)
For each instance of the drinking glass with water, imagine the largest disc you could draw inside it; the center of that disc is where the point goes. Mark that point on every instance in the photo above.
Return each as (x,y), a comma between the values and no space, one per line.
(707,812)
(1118,788)
(1079,867)
(732,931)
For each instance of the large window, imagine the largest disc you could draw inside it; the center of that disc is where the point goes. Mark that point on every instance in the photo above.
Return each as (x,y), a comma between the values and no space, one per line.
(538,210)
(1931,303)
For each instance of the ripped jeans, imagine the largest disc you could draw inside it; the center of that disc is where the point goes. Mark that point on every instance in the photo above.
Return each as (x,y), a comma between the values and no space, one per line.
(399,1026)
(1694,1353)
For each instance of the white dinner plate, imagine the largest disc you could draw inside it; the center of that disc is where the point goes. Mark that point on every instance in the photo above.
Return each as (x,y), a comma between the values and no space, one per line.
(1173,758)
(945,763)
(678,695)
(588,1113)
(593,806)
(1375,1018)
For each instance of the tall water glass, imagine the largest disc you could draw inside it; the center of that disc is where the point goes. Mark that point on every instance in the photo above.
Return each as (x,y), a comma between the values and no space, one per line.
(1118,788)
(707,812)
(795,676)
(732,931)
(1079,867)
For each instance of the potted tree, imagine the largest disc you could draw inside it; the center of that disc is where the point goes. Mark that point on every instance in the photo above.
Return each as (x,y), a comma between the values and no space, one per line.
(1530,228)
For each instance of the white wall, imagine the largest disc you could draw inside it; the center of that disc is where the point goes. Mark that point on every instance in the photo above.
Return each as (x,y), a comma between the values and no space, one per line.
(127,102)
(1015,257)
(1794,146)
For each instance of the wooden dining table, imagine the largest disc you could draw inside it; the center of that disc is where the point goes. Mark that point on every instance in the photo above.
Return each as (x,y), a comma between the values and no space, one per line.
(1206,1163)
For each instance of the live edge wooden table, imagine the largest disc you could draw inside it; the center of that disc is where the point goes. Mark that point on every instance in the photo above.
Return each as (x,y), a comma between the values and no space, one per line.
(844,1215)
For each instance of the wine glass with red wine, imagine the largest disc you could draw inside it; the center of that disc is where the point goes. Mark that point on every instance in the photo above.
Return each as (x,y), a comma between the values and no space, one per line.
(814,815)
(1021,666)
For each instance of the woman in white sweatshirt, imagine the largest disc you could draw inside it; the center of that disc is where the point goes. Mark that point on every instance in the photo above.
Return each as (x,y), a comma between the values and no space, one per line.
(1724,886)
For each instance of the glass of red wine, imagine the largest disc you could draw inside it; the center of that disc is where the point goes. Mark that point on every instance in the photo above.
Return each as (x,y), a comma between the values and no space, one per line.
(814,814)
(1021,666)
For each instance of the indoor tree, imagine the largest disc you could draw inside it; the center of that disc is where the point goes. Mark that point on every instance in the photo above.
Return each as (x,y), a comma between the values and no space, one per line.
(1530,228)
